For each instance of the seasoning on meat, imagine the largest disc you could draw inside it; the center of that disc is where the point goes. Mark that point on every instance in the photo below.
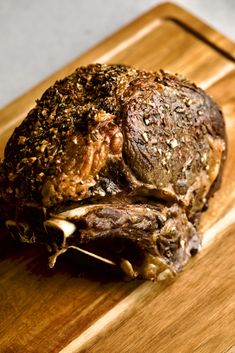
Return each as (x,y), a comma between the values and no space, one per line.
(115,161)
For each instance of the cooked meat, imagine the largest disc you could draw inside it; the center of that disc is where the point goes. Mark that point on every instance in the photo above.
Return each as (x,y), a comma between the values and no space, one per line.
(117,161)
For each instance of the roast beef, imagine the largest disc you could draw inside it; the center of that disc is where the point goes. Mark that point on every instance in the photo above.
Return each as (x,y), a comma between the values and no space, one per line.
(117,162)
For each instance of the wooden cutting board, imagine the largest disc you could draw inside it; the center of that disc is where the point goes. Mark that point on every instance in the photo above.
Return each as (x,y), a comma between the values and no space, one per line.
(58,310)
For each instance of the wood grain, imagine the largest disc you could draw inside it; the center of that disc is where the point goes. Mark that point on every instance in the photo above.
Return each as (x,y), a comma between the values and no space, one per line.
(224,200)
(193,314)
(44,310)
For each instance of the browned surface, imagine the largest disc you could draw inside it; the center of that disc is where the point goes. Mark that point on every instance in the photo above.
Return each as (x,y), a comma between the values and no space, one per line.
(44,310)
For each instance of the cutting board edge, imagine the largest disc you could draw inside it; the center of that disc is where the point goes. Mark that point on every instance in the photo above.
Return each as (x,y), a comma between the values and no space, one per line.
(65,68)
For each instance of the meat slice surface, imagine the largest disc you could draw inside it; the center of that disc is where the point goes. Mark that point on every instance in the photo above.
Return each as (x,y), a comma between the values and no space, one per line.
(117,161)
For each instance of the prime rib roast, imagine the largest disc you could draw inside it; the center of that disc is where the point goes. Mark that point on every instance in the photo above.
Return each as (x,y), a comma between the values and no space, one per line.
(116,162)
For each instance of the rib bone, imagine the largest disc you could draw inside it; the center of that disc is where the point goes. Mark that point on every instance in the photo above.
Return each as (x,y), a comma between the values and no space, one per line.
(68,228)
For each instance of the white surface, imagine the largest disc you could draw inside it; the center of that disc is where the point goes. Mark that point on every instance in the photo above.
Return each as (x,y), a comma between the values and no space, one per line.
(39,37)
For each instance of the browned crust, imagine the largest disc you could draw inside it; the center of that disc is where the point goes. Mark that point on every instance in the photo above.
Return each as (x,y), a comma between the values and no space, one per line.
(110,134)
(40,147)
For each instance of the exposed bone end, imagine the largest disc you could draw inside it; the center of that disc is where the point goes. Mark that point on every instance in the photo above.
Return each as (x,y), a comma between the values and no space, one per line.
(66,227)
(127,268)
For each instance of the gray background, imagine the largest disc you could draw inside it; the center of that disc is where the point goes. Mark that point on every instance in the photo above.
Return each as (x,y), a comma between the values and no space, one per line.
(38,37)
